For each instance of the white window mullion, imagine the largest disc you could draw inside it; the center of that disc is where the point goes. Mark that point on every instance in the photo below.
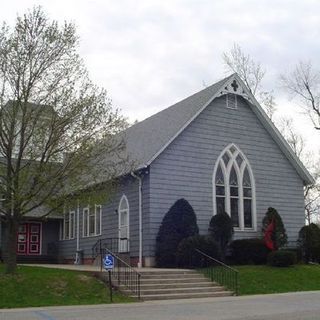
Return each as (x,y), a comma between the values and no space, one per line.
(241,209)
(227,200)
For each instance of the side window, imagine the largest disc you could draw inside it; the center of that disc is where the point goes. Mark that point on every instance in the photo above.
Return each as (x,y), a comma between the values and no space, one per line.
(91,221)
(85,219)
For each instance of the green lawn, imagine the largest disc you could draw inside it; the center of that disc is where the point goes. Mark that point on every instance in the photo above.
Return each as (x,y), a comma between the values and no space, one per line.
(36,286)
(265,279)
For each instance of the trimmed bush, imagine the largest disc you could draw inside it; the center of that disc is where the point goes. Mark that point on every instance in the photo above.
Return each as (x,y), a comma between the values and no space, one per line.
(282,258)
(180,222)
(298,253)
(221,230)
(309,242)
(249,251)
(187,256)
(279,235)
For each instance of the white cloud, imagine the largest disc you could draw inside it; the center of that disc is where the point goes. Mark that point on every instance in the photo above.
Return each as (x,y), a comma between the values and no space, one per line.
(151,53)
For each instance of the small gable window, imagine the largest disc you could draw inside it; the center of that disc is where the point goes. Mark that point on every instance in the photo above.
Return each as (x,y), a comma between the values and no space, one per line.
(233,190)
(231,101)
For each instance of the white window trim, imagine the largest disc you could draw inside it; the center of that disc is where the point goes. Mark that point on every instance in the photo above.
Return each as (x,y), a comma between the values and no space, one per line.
(96,206)
(124,198)
(89,212)
(85,233)
(72,229)
(70,214)
(239,172)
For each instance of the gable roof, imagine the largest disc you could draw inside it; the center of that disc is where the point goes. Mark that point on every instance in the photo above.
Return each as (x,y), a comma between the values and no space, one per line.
(147,139)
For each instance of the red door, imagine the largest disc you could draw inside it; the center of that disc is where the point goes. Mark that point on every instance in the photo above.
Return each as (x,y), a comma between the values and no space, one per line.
(29,238)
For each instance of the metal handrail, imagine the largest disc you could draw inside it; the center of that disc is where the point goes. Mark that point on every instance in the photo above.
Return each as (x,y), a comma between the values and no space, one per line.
(110,243)
(124,273)
(221,273)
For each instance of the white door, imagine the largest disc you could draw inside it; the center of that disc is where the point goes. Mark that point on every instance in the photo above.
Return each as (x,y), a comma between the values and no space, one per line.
(124,224)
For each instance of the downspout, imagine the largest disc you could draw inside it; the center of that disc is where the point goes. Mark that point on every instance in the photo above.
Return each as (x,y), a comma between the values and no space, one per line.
(77,260)
(140,218)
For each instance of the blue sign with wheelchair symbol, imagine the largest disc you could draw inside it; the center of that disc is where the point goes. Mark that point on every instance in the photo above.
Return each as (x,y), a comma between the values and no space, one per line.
(108,261)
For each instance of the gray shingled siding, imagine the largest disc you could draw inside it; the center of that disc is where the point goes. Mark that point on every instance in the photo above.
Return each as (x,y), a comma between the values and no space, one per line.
(185,168)
(129,187)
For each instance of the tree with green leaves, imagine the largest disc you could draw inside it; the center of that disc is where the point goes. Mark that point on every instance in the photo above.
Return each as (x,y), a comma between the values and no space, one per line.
(278,232)
(180,222)
(56,126)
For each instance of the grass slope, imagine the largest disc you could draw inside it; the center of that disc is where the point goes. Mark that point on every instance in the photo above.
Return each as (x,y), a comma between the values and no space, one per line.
(265,279)
(36,286)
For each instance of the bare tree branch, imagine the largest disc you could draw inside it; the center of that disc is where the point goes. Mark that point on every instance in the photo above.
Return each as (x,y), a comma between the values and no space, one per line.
(303,83)
(252,74)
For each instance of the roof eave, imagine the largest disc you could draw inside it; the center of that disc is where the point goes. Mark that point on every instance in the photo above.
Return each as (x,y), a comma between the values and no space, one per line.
(277,136)
(262,116)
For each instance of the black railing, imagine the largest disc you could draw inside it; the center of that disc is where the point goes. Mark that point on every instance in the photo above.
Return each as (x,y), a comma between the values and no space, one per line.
(218,271)
(124,274)
(116,245)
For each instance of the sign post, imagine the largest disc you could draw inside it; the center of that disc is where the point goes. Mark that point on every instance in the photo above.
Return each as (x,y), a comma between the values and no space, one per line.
(108,264)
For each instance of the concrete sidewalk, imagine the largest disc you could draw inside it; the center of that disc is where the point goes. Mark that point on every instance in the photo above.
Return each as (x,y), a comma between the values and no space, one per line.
(288,306)
(95,268)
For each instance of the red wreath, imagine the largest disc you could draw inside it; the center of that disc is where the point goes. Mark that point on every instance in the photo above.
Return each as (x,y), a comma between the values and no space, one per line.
(268,236)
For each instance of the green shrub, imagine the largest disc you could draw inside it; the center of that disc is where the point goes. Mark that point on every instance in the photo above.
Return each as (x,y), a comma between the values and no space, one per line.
(297,252)
(309,242)
(279,235)
(187,256)
(180,222)
(249,251)
(221,230)
(282,258)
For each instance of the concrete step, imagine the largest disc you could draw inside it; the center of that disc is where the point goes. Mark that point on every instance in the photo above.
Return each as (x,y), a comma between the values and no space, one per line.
(171,276)
(172,272)
(169,281)
(177,285)
(185,295)
(149,292)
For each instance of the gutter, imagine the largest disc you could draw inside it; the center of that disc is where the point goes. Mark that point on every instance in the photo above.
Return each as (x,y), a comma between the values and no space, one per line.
(140,218)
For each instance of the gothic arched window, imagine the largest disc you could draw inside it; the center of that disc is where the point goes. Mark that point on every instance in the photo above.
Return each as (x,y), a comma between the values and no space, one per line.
(234,188)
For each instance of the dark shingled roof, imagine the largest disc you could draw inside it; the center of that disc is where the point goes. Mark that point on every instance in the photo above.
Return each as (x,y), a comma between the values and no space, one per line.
(146,138)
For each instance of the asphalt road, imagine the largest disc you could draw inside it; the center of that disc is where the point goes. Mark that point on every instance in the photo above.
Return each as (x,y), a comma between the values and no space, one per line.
(291,306)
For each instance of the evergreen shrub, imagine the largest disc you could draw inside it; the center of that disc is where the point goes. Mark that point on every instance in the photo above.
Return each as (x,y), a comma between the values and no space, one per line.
(282,258)
(279,235)
(248,251)
(180,222)
(309,242)
(187,256)
(221,230)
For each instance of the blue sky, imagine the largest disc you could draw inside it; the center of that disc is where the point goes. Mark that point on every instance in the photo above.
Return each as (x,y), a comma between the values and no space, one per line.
(150,54)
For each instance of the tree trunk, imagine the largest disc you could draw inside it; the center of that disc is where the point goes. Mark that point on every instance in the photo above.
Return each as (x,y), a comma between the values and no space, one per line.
(10,257)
